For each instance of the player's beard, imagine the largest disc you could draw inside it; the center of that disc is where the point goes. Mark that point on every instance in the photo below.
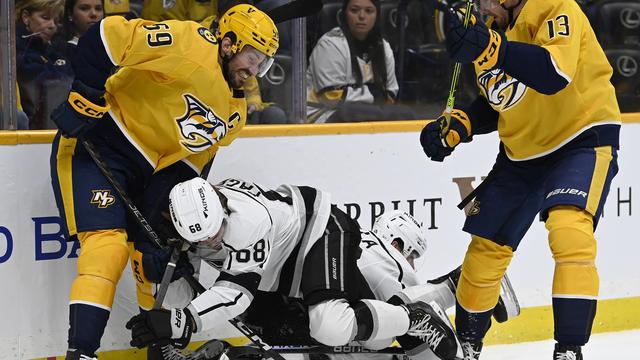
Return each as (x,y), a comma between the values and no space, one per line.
(225,69)
(229,75)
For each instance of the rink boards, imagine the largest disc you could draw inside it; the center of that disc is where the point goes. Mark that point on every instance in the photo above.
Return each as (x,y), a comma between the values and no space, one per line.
(368,168)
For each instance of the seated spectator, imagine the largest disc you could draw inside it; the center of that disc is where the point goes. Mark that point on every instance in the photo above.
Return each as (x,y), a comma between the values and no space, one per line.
(196,10)
(22,121)
(79,16)
(260,112)
(351,74)
(38,63)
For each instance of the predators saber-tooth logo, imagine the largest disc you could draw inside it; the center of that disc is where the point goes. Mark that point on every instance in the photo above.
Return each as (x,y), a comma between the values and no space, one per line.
(502,91)
(102,198)
(200,126)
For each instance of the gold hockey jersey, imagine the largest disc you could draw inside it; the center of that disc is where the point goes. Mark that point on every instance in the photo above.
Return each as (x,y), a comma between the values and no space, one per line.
(532,124)
(169,96)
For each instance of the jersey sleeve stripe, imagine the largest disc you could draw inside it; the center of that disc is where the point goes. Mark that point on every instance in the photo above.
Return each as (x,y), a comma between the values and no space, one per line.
(247,283)
(227,304)
(560,72)
(105,44)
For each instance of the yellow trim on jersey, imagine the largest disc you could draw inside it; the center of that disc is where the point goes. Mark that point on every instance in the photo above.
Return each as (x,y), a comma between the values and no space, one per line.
(603,159)
(489,56)
(15,137)
(64,156)
(80,104)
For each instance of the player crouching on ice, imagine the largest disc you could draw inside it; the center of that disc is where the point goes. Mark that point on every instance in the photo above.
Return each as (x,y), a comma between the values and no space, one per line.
(292,241)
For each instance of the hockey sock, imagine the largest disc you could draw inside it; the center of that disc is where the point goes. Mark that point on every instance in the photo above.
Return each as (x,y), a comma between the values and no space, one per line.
(472,326)
(86,326)
(575,279)
(573,319)
(379,320)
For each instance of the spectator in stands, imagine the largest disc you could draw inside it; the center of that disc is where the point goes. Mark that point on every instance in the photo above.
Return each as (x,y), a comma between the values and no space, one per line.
(196,10)
(79,15)
(22,120)
(351,74)
(37,61)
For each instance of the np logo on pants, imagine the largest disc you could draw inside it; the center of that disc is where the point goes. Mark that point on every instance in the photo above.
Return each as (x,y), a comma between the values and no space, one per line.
(102,198)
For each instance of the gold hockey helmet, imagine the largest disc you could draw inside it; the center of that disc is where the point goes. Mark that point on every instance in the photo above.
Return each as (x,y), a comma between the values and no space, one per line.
(247,25)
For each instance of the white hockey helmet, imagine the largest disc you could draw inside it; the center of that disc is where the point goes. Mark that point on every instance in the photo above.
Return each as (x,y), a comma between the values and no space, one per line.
(398,225)
(196,211)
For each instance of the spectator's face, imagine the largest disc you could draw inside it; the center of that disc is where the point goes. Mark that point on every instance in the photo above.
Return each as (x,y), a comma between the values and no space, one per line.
(40,22)
(361,17)
(85,14)
(245,63)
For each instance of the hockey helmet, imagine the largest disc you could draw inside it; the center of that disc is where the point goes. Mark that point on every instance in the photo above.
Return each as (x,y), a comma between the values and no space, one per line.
(246,25)
(196,210)
(398,225)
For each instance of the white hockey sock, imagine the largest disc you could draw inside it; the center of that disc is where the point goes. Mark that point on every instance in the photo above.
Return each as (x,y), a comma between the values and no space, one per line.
(388,320)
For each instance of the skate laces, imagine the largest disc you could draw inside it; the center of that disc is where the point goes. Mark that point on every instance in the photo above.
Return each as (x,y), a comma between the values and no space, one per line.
(171,353)
(424,330)
(566,355)
(470,353)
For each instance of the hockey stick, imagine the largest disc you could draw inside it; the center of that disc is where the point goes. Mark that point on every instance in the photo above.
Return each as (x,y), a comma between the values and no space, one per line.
(264,348)
(175,254)
(454,81)
(148,230)
(294,9)
(104,168)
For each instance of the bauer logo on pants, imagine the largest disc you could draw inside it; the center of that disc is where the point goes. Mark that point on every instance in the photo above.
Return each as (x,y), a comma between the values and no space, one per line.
(102,198)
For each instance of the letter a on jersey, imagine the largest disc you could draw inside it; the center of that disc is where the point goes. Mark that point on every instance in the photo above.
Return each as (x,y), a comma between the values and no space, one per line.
(200,126)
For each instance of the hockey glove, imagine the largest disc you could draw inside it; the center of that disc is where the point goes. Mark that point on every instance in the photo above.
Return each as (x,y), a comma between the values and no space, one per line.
(81,112)
(437,147)
(161,327)
(154,262)
(476,44)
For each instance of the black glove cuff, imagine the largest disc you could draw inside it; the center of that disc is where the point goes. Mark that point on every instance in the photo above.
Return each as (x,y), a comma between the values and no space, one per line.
(92,94)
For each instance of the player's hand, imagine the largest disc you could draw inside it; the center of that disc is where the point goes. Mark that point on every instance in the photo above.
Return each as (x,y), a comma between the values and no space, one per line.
(81,112)
(161,327)
(436,145)
(476,44)
(154,262)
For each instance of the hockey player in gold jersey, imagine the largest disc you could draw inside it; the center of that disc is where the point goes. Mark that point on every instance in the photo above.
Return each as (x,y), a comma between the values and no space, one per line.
(156,100)
(545,86)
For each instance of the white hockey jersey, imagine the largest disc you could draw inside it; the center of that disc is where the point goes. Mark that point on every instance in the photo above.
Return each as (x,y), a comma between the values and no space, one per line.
(330,68)
(384,268)
(268,233)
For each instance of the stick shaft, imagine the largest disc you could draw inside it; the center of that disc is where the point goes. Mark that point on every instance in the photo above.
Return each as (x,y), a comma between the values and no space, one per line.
(238,324)
(104,168)
(451,99)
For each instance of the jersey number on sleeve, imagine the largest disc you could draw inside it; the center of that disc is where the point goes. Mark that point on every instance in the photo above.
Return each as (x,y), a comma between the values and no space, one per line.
(156,38)
(558,26)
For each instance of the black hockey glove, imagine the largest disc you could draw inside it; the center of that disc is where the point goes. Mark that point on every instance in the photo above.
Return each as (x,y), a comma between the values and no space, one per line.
(81,112)
(161,327)
(154,262)
(476,44)
(435,145)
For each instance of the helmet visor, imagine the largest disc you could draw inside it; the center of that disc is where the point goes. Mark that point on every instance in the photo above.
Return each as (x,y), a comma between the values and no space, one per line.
(256,60)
